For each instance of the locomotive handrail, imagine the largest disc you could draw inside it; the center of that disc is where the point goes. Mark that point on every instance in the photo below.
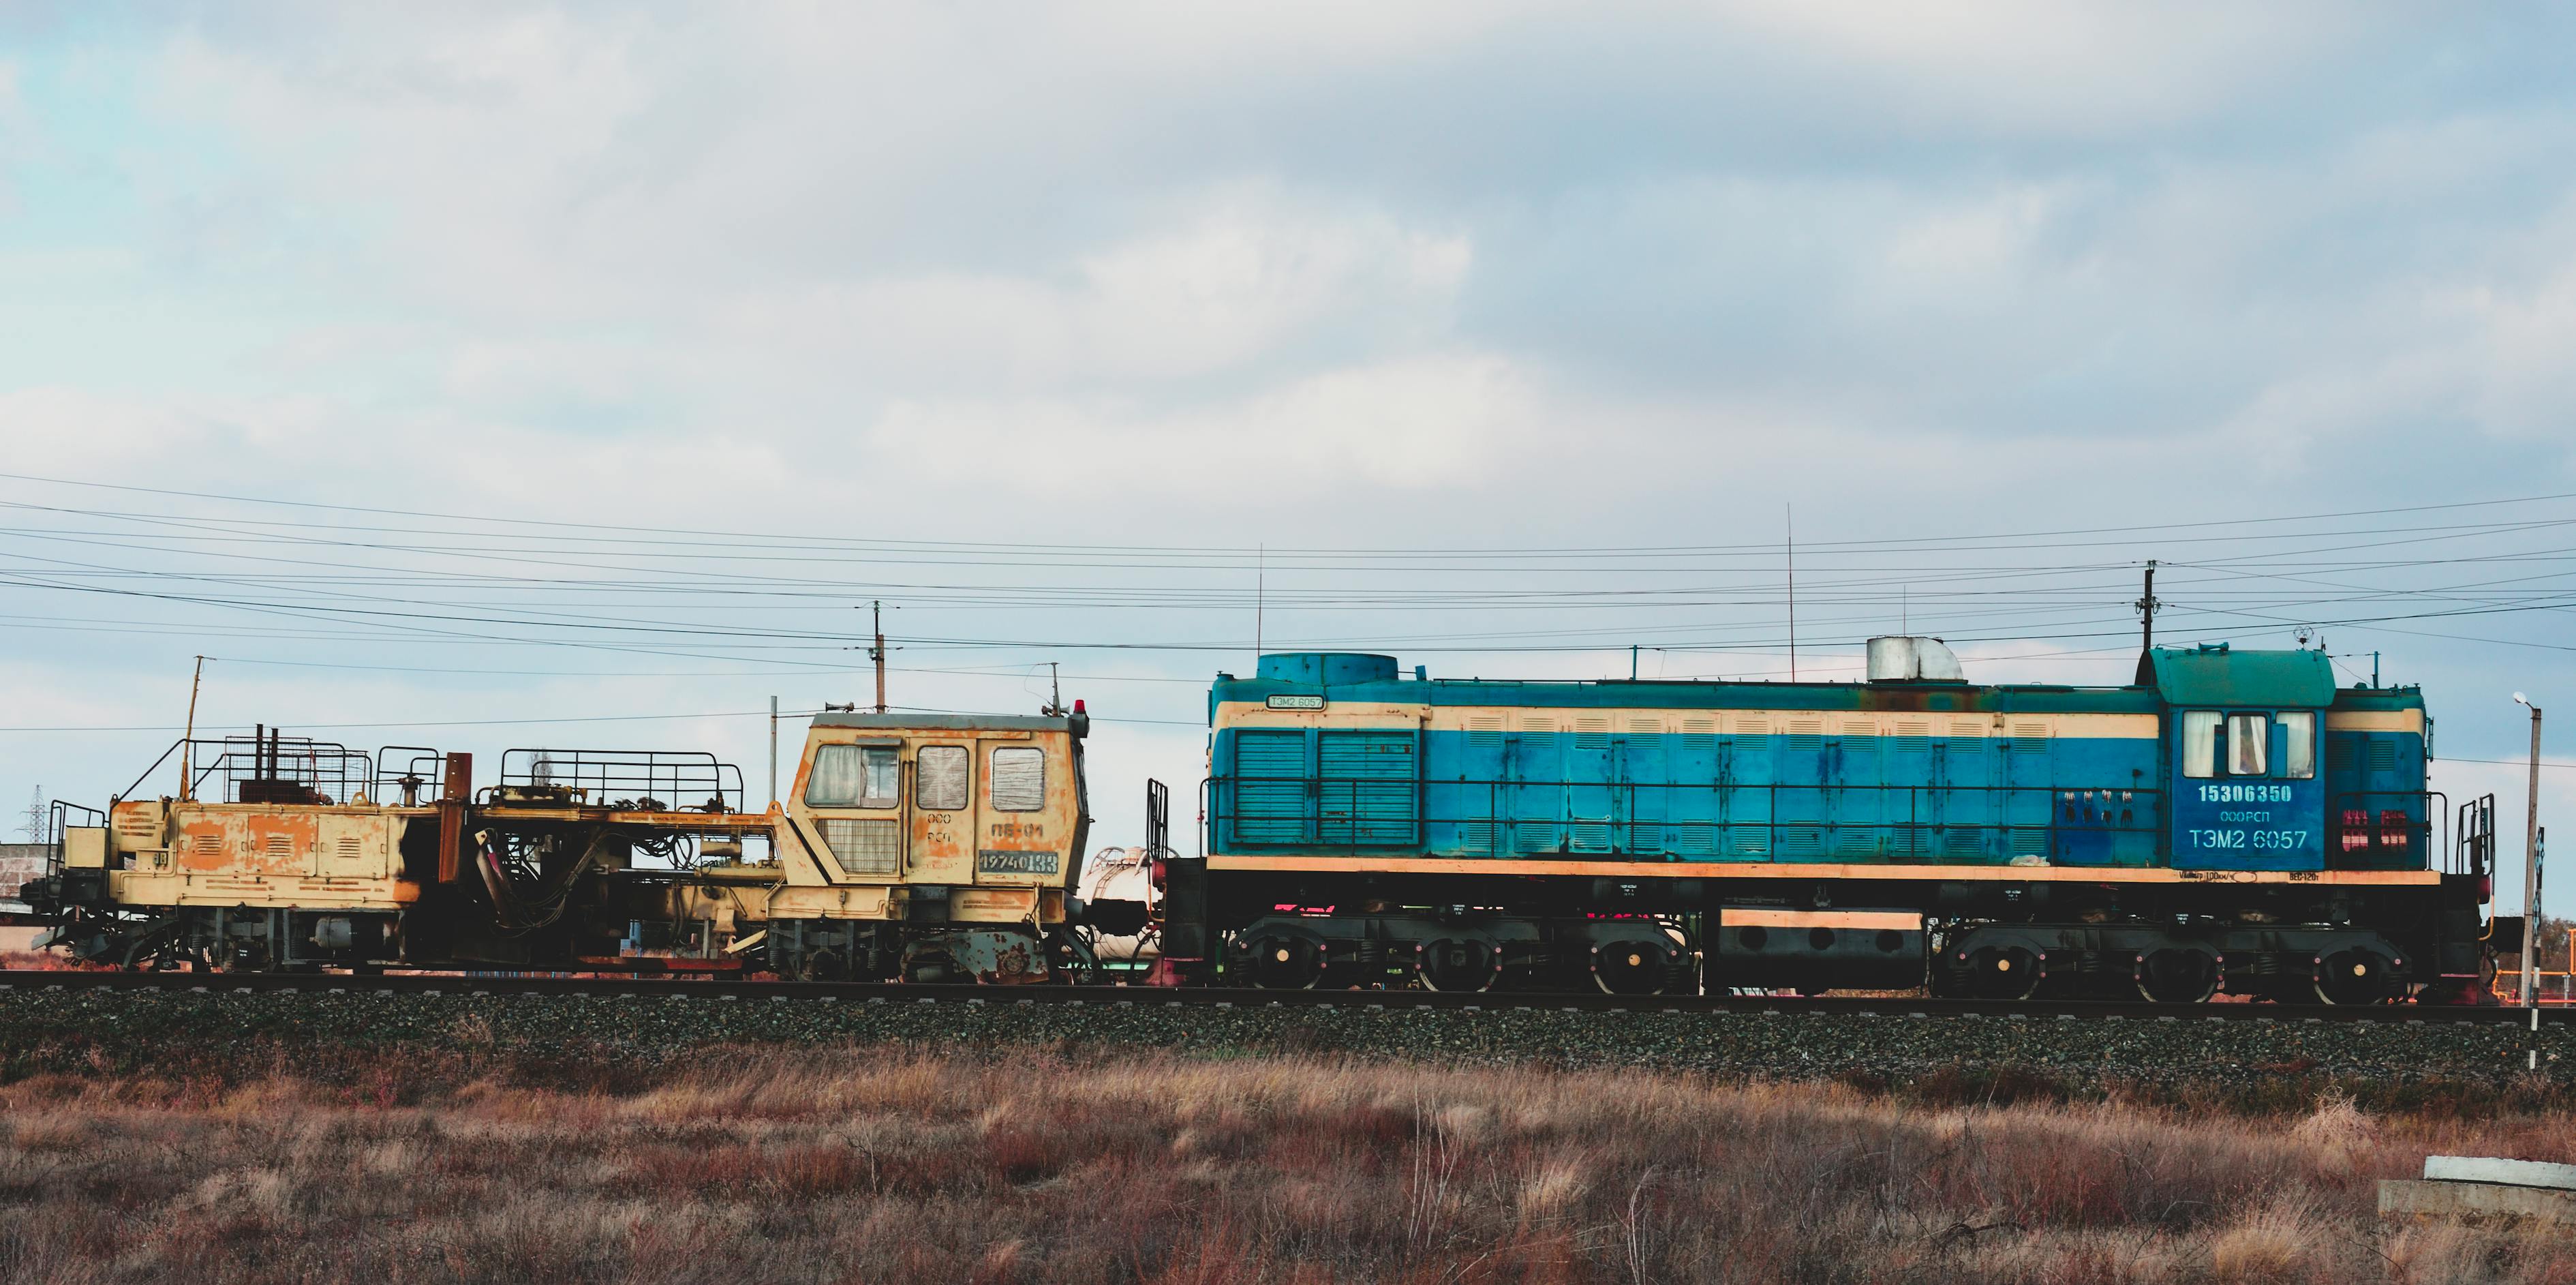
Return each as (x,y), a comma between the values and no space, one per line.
(2071,809)
(58,816)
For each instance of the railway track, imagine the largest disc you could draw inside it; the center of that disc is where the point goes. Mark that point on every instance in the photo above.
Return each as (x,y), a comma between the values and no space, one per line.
(473,984)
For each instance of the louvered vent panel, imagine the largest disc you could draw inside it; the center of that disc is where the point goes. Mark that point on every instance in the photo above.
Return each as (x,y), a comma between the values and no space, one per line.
(1645,727)
(1591,836)
(1964,728)
(280,847)
(1367,788)
(207,845)
(1694,839)
(2383,755)
(1485,731)
(1534,724)
(1801,841)
(1645,836)
(2029,841)
(1963,841)
(1534,836)
(1270,787)
(1912,735)
(1854,728)
(1752,840)
(1699,733)
(1592,733)
(1752,727)
(2339,753)
(351,848)
(1806,734)
(1478,836)
(2030,737)
(1856,840)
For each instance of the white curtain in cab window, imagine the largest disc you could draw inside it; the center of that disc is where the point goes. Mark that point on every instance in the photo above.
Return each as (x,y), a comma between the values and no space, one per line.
(2200,742)
(939,778)
(2298,744)
(835,780)
(1019,779)
(2248,738)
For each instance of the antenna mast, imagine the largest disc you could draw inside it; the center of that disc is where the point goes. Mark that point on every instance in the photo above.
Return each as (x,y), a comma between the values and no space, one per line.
(188,752)
(1790,513)
(2146,606)
(1260,591)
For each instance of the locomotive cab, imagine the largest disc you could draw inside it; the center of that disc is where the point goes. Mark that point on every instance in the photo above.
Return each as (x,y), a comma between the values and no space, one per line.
(2244,732)
(930,847)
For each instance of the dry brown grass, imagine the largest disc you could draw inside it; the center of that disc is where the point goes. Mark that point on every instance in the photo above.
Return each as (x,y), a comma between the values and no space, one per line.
(855,1164)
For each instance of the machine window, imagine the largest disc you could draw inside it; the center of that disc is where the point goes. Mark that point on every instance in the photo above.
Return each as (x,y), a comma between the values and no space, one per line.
(2200,742)
(848,776)
(885,779)
(939,778)
(2249,737)
(1019,779)
(2298,744)
(835,779)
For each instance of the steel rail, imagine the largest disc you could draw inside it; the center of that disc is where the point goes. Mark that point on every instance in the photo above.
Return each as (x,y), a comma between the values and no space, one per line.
(15,981)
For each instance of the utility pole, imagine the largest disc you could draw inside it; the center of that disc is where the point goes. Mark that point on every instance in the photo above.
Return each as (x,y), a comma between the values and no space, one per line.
(2531,866)
(1260,596)
(876,614)
(773,753)
(1789,517)
(2146,605)
(1632,662)
(187,751)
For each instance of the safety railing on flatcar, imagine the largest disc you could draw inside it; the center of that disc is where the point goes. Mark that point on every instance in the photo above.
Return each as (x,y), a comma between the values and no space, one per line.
(61,815)
(1766,820)
(632,780)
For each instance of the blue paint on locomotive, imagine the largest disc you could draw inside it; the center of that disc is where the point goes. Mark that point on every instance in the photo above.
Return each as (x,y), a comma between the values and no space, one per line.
(1329,752)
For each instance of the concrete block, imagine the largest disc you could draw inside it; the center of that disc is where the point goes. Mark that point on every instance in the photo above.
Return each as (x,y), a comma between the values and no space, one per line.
(2414,1198)
(2516,1173)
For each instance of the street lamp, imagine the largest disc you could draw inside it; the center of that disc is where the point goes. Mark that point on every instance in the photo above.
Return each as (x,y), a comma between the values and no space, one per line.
(2531,865)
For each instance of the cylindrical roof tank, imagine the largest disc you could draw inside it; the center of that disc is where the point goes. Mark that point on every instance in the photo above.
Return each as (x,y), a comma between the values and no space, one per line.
(1327,668)
(1895,659)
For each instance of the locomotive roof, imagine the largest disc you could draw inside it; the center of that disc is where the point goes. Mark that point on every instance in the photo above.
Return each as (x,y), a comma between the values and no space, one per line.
(945,722)
(2196,676)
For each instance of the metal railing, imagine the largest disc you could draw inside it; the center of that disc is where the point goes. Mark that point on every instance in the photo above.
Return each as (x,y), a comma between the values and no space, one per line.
(1766,820)
(60,816)
(630,780)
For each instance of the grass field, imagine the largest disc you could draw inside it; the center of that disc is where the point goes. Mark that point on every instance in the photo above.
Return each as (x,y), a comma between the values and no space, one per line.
(857,1164)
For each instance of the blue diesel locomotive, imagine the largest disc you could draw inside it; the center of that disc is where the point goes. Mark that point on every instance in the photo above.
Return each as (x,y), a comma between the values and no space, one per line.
(2233,822)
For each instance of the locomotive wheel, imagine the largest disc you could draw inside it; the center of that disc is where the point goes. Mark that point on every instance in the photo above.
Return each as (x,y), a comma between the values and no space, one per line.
(1458,964)
(823,964)
(2354,977)
(1287,963)
(2003,972)
(2176,975)
(1632,967)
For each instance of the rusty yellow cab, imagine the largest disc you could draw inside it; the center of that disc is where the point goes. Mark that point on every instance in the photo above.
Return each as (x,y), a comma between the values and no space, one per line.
(929,847)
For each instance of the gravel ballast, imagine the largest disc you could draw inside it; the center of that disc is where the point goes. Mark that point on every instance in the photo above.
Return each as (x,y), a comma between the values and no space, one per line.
(168,1032)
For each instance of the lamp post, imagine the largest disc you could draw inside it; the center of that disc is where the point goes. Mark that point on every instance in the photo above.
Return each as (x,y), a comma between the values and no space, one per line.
(2531,865)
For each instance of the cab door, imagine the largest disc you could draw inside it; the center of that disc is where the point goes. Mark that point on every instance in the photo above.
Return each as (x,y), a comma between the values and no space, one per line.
(939,814)
(2246,795)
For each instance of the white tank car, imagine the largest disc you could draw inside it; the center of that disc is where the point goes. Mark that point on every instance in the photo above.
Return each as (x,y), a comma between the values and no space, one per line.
(1121,874)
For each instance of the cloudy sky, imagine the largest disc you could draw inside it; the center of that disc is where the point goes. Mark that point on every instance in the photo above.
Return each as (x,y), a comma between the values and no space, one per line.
(485,377)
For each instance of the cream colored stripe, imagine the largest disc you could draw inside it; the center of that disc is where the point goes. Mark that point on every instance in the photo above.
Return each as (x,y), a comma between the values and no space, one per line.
(1511,718)
(2376,720)
(1858,920)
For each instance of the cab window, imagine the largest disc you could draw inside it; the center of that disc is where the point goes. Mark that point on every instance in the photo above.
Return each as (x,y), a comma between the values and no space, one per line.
(939,778)
(2200,742)
(865,776)
(1019,779)
(2249,740)
(2298,744)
